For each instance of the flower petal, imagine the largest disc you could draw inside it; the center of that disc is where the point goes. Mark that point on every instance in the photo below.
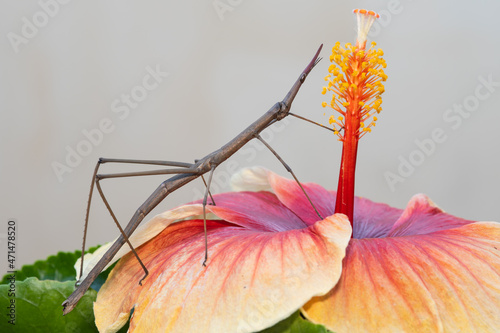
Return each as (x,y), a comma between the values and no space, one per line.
(253,279)
(292,196)
(422,216)
(256,211)
(373,219)
(251,179)
(142,234)
(448,281)
(261,211)
(288,192)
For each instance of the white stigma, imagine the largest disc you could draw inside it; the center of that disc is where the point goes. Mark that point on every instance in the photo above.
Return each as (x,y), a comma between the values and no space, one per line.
(365,21)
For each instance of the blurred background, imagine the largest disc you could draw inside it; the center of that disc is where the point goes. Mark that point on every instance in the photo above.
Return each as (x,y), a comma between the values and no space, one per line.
(175,80)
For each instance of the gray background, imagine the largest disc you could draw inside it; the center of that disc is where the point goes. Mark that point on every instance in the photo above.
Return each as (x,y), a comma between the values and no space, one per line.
(224,71)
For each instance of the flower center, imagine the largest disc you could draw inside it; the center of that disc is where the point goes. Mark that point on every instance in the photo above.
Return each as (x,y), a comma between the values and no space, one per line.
(355,79)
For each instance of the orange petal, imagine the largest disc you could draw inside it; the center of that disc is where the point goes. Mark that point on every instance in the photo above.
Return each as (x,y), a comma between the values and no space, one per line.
(253,279)
(448,280)
(262,211)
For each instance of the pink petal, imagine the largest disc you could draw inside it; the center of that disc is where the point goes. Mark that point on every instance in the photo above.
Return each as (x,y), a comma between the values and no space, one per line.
(288,192)
(371,219)
(255,210)
(292,196)
(448,281)
(422,216)
(253,279)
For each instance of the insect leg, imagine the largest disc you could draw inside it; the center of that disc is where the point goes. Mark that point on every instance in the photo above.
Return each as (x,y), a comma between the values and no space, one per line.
(313,122)
(103,160)
(204,212)
(121,230)
(289,170)
(209,193)
(188,167)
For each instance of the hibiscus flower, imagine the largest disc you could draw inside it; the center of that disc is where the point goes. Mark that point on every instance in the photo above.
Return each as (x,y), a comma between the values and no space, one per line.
(365,267)
(404,270)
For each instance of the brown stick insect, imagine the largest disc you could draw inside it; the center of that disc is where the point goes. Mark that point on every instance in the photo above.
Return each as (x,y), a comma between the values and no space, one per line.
(184,173)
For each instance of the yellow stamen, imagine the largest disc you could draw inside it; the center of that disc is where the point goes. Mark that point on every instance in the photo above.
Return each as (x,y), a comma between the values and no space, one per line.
(356,79)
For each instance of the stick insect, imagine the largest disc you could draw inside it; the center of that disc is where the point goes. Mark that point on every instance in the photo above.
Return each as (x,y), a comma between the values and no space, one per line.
(184,173)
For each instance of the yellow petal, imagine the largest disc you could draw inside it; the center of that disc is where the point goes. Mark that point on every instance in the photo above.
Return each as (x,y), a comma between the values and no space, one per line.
(445,281)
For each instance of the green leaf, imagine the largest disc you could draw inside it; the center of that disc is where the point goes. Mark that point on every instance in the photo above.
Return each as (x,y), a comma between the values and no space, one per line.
(58,267)
(38,297)
(36,307)
(295,324)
